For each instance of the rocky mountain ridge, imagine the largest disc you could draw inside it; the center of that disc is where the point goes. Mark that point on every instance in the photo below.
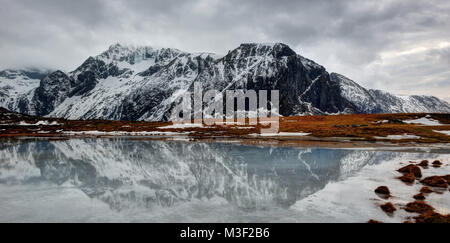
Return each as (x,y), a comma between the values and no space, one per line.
(144,83)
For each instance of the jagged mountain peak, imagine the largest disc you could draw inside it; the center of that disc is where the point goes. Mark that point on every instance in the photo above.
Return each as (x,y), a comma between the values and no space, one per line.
(133,54)
(120,47)
(57,73)
(276,50)
(122,53)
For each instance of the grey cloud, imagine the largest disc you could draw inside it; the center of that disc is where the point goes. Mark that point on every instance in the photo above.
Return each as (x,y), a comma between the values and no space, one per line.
(350,37)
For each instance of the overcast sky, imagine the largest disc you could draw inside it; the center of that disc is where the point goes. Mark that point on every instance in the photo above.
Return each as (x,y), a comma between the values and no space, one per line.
(398,46)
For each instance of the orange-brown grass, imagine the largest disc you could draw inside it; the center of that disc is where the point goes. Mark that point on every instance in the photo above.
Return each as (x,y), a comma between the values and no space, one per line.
(366,127)
(356,127)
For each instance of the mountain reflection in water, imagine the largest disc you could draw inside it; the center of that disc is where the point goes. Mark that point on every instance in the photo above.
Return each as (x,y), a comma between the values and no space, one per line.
(150,175)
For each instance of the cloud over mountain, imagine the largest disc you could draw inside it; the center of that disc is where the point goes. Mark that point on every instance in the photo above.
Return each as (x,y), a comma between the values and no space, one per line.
(394,44)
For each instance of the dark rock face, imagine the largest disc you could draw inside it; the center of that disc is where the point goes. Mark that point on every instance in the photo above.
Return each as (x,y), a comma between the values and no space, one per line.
(143,83)
(24,106)
(52,91)
(149,99)
(300,86)
(85,82)
(305,87)
(98,69)
(6,116)
(151,70)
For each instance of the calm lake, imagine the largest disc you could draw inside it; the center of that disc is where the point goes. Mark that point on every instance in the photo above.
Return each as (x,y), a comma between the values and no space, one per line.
(129,180)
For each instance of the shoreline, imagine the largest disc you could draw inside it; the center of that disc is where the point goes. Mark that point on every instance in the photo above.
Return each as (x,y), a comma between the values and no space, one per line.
(267,142)
(391,131)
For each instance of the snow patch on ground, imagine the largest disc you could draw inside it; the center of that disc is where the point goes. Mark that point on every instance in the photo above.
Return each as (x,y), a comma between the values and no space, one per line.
(426,121)
(230,123)
(40,123)
(399,137)
(354,200)
(444,132)
(122,133)
(382,122)
(182,126)
(281,134)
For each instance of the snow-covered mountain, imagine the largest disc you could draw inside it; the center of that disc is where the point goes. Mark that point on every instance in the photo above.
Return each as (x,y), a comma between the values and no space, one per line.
(378,101)
(143,83)
(16,85)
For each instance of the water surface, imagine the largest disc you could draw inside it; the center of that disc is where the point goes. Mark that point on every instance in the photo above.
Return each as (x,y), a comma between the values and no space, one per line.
(126,180)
